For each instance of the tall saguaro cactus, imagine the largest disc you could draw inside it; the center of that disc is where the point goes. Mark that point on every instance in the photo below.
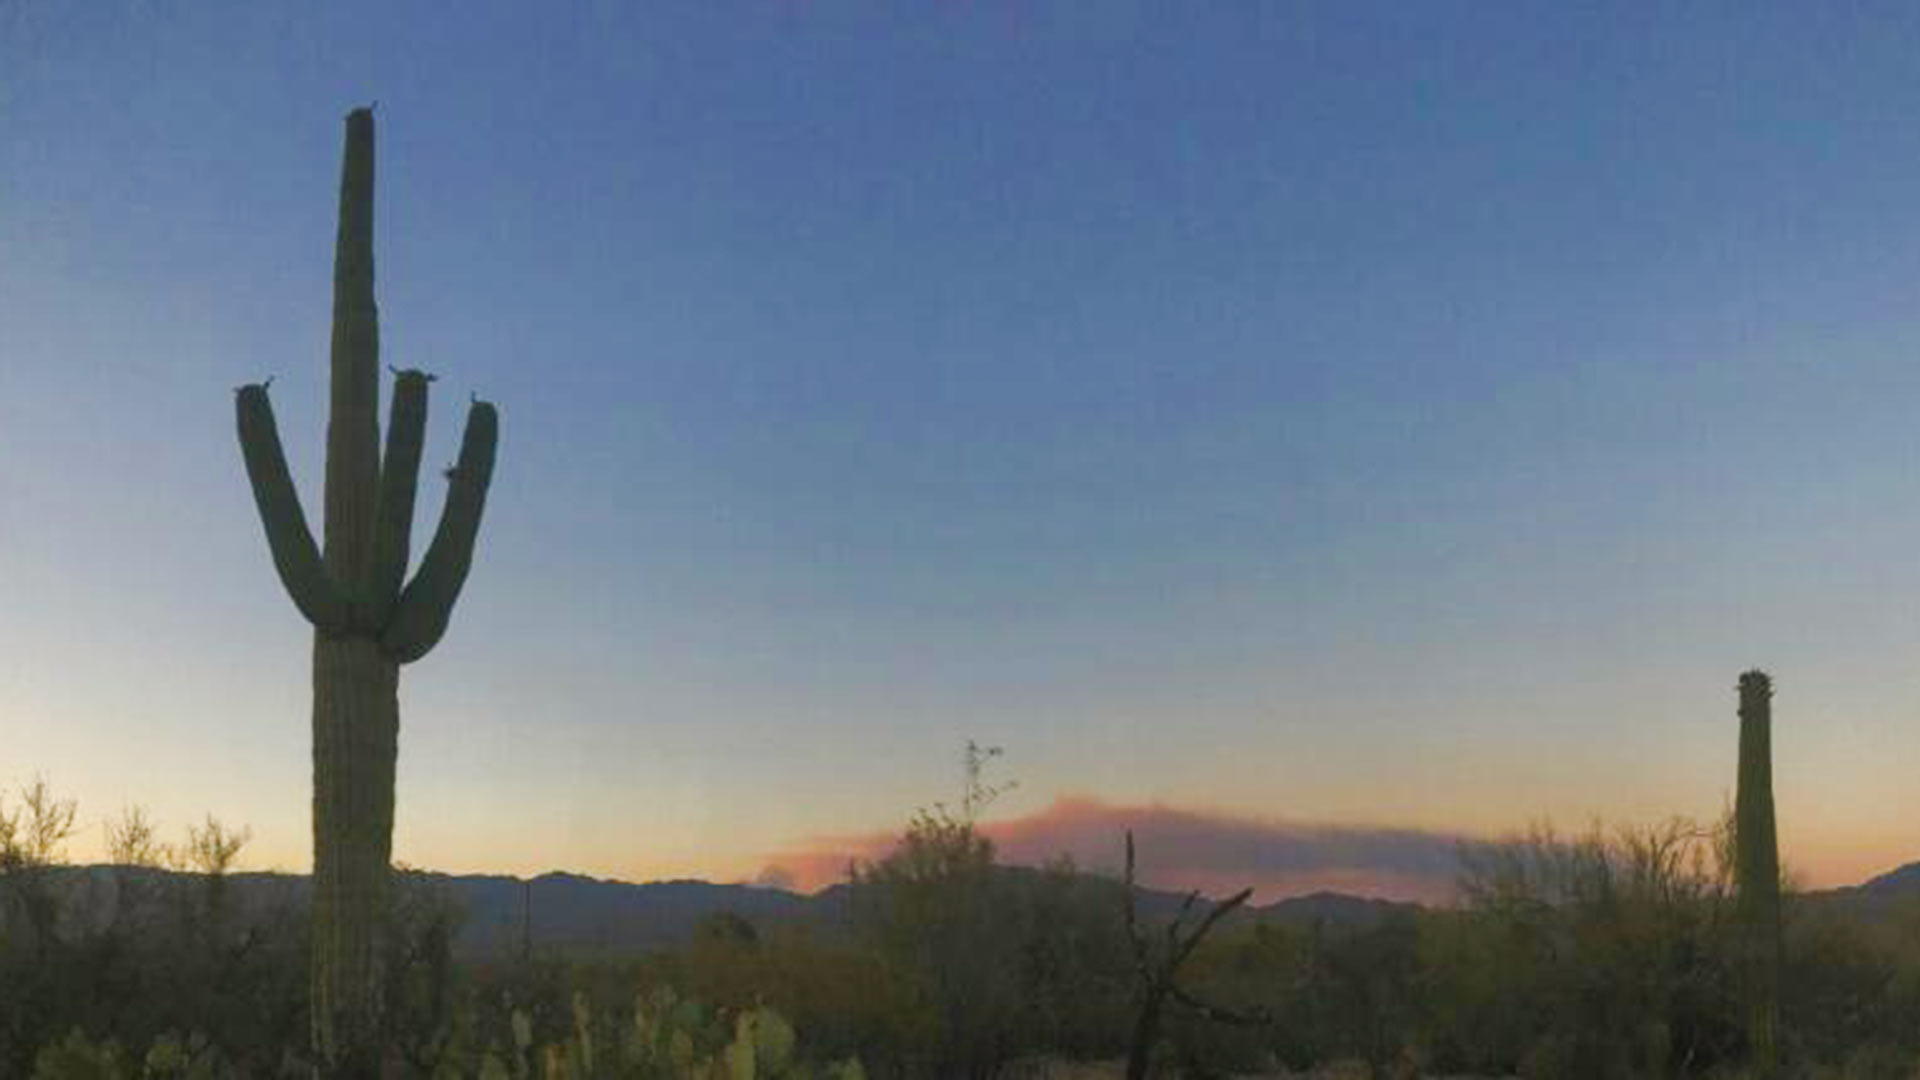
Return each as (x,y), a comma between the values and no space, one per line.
(367,618)
(1757,869)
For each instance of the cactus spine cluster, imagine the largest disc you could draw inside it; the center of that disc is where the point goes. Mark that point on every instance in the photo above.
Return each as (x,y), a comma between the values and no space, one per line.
(1757,868)
(367,618)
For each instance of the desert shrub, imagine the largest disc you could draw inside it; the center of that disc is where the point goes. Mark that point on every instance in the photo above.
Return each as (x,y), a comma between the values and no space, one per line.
(939,918)
(980,963)
(1601,955)
(1839,991)
(1613,951)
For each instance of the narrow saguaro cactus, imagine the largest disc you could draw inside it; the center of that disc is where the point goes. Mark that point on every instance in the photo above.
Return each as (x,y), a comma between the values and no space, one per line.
(1757,869)
(367,619)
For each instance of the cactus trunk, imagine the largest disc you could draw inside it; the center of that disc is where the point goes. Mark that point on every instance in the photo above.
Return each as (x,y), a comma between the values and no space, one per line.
(356,719)
(356,711)
(368,620)
(1757,870)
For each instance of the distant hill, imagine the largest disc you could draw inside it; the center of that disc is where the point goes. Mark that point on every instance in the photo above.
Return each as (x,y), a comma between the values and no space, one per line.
(577,915)
(1335,909)
(1900,882)
(1875,898)
(583,915)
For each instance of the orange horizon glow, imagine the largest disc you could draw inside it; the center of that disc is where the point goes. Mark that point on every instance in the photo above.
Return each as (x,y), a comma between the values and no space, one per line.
(1180,849)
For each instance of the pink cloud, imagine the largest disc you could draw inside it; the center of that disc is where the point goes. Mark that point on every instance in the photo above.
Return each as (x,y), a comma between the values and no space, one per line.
(1179,849)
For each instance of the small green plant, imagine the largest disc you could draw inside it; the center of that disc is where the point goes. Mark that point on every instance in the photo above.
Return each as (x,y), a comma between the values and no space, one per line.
(191,1058)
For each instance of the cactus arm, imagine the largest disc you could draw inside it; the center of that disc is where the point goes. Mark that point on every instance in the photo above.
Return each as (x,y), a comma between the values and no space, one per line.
(399,478)
(427,602)
(353,424)
(294,555)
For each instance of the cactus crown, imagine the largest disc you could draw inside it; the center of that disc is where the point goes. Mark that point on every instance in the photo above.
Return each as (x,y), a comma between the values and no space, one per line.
(358,586)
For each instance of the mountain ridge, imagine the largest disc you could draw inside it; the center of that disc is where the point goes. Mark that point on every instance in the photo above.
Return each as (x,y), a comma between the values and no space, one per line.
(578,914)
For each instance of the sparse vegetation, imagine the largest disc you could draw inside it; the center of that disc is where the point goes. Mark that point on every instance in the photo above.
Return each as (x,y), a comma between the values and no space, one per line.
(1607,954)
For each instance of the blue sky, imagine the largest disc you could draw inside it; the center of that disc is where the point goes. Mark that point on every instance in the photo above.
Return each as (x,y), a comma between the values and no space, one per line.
(1326,413)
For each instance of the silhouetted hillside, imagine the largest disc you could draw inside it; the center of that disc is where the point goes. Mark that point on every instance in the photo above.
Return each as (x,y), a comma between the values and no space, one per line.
(1904,881)
(1335,909)
(577,915)
(1876,898)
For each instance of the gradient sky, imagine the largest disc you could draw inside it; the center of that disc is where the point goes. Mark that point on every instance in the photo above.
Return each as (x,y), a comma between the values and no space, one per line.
(1409,416)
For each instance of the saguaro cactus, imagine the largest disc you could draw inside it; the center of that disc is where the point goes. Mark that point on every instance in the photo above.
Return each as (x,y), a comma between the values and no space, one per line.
(367,619)
(1757,868)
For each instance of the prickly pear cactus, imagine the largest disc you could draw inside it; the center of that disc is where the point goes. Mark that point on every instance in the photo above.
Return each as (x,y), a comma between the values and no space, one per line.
(849,1069)
(762,1045)
(583,1031)
(670,1037)
(191,1058)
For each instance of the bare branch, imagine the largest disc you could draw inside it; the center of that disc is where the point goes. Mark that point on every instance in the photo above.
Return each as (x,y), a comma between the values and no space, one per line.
(1219,912)
(1133,926)
(1220,1014)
